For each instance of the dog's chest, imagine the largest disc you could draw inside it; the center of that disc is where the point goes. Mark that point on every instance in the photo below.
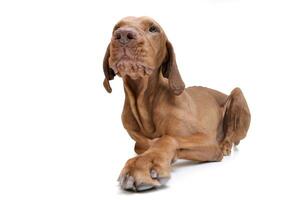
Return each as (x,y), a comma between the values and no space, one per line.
(138,121)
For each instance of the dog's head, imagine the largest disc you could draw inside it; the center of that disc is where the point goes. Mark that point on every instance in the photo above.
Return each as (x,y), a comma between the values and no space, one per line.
(139,47)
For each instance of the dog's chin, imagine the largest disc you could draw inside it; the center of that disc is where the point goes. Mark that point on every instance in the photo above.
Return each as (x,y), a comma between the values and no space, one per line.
(134,70)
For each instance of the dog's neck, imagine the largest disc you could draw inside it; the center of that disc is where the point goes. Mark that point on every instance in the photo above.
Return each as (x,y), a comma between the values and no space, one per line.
(139,96)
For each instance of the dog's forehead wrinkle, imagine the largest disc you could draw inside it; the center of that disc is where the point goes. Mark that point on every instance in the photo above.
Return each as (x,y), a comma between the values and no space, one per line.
(142,22)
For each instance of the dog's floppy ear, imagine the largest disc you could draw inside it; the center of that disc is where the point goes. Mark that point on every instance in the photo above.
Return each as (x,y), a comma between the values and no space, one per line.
(108,72)
(170,71)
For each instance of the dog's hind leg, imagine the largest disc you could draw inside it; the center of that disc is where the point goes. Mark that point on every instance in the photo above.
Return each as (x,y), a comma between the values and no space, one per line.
(236,120)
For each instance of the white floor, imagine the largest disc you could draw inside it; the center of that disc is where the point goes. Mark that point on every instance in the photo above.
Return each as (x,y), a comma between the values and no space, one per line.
(83,157)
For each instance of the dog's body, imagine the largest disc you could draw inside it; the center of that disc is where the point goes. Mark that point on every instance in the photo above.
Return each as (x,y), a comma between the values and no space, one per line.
(166,120)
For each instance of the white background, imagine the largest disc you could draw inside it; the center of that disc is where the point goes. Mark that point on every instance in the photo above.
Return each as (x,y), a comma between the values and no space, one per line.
(61,135)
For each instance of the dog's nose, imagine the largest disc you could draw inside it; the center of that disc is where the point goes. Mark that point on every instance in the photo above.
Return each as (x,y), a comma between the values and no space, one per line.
(124,36)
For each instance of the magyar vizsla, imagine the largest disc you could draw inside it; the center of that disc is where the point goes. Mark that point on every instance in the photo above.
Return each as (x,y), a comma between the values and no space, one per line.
(167,120)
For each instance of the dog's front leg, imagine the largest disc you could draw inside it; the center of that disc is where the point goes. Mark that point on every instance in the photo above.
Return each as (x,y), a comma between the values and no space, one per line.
(151,168)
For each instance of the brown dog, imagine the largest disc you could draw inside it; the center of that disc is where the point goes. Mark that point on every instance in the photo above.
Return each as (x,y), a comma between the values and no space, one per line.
(166,120)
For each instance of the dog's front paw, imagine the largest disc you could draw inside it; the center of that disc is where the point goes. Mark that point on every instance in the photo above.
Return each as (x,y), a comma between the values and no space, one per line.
(144,172)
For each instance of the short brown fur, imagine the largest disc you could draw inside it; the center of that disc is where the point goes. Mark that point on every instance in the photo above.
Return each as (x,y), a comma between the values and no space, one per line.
(167,120)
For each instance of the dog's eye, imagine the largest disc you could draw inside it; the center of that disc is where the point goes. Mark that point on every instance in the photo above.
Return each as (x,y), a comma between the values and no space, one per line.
(153,29)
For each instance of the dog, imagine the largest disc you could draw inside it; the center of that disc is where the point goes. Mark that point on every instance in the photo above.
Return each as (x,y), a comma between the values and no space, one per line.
(166,120)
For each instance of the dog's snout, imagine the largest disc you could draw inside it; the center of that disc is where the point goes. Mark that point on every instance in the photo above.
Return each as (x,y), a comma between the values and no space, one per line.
(124,36)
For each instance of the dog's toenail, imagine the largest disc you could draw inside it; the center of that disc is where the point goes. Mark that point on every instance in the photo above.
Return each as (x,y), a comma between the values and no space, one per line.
(163,180)
(129,183)
(153,173)
(143,187)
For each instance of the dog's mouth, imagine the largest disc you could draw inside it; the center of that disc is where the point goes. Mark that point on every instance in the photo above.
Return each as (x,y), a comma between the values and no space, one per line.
(131,68)
(127,65)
